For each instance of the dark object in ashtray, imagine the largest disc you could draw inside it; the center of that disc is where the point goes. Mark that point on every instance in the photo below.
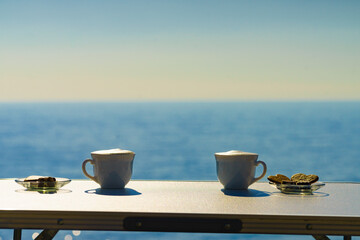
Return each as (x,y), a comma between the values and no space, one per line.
(41,181)
(289,182)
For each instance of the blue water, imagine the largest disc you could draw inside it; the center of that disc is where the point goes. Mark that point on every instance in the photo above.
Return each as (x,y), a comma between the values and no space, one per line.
(177,141)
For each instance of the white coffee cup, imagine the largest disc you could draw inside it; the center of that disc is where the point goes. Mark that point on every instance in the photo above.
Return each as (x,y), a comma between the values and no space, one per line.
(236,169)
(112,168)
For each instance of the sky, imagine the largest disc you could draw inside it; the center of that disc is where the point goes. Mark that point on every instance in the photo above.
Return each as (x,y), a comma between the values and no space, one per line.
(153,50)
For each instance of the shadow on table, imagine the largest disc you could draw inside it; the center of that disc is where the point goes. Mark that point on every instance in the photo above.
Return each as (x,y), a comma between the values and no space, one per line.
(246,193)
(43,191)
(114,192)
(315,194)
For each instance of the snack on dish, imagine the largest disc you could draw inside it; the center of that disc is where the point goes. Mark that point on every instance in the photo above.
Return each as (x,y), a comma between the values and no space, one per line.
(42,184)
(296,179)
(35,178)
(298,184)
(279,178)
(41,181)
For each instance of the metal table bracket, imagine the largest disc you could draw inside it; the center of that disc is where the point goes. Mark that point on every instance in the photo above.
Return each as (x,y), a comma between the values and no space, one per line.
(46,234)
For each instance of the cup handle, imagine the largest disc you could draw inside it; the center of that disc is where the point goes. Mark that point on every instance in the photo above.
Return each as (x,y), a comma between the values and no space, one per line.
(84,169)
(264,170)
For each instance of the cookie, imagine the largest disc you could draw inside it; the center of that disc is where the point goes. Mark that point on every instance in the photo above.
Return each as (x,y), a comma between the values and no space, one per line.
(302,179)
(279,178)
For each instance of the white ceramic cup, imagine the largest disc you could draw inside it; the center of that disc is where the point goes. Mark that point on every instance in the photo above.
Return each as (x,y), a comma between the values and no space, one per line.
(112,168)
(236,169)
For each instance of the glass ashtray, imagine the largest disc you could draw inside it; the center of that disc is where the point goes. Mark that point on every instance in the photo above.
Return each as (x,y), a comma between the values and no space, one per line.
(43,185)
(307,189)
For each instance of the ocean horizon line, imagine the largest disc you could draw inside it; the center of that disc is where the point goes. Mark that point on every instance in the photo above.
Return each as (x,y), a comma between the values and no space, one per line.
(181,101)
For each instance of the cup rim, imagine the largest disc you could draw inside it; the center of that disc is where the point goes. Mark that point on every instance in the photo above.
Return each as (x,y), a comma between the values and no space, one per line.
(235,153)
(114,151)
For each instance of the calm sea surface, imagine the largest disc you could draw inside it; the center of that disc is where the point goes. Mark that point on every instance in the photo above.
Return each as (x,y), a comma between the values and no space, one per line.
(177,141)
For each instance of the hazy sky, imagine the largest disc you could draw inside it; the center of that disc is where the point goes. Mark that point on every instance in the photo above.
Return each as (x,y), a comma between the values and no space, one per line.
(179,50)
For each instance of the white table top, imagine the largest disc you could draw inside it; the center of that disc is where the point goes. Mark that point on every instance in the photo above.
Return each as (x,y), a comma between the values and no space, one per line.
(81,204)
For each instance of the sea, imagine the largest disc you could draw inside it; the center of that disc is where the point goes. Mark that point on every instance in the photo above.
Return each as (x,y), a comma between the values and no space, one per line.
(177,141)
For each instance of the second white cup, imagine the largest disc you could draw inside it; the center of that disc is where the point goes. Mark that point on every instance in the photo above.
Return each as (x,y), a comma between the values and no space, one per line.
(236,169)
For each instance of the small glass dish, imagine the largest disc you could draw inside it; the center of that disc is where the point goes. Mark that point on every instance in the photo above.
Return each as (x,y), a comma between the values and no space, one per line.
(298,189)
(43,185)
